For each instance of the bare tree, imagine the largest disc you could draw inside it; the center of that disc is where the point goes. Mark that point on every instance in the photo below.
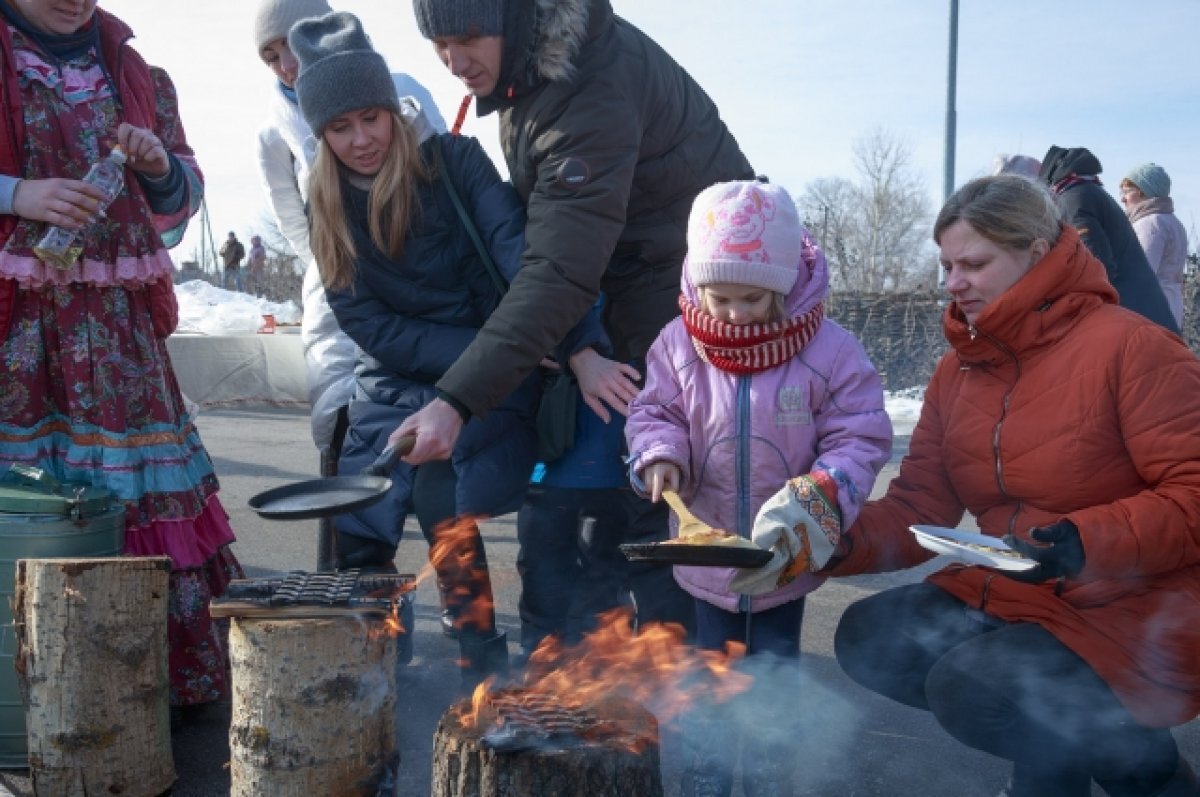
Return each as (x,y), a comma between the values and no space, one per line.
(284,272)
(874,231)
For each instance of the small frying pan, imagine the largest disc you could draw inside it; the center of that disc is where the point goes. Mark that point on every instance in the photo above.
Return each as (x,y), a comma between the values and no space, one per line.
(316,498)
(696,555)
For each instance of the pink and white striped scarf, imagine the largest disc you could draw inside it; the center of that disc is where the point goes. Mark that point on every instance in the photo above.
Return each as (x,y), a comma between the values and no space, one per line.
(748,348)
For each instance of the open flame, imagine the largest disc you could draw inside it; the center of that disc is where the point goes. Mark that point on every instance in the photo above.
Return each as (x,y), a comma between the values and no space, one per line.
(653,667)
(455,554)
(389,626)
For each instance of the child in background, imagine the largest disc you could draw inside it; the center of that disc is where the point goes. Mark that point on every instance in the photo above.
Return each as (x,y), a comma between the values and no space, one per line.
(753,399)
(575,515)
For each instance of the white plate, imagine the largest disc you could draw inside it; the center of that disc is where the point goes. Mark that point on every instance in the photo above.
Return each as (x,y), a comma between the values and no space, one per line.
(950,542)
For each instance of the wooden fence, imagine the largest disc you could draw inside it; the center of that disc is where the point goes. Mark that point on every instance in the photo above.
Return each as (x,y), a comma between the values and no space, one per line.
(902,333)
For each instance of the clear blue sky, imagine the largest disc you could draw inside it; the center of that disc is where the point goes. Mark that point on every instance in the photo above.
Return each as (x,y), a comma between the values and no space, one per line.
(797,81)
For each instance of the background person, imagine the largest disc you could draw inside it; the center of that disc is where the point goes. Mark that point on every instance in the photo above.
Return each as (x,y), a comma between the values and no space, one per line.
(1074,177)
(1146,195)
(608,140)
(1024,165)
(1071,427)
(256,266)
(753,399)
(574,517)
(232,252)
(88,393)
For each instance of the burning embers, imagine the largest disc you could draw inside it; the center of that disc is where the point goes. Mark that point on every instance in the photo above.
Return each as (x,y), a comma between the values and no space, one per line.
(580,722)
(564,688)
(521,720)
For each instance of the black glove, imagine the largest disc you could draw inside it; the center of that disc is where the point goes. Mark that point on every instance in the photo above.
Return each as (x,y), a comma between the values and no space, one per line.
(1061,557)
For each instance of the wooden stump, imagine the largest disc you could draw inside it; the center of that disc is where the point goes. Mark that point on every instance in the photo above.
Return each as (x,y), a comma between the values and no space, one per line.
(617,756)
(313,707)
(92,665)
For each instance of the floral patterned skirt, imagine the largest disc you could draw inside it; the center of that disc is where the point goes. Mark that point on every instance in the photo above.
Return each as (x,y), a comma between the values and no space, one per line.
(87,394)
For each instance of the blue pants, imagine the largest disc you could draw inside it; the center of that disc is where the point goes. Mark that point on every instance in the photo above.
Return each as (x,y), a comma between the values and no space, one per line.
(570,565)
(765,723)
(775,631)
(234,275)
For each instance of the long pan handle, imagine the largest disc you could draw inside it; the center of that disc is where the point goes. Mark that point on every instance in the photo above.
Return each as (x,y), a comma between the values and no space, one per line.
(390,456)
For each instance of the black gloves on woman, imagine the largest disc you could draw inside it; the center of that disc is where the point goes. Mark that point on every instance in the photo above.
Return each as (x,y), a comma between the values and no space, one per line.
(1060,557)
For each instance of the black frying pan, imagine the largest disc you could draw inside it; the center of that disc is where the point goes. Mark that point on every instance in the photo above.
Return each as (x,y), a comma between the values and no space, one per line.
(317,498)
(695,555)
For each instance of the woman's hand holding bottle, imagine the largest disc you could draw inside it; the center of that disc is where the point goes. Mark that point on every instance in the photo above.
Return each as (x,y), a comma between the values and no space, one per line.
(145,152)
(66,203)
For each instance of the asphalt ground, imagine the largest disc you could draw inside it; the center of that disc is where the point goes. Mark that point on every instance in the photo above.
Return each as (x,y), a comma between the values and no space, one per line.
(854,743)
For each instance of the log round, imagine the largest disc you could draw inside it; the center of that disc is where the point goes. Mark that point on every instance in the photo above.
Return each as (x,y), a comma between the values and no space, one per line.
(313,707)
(92,665)
(622,761)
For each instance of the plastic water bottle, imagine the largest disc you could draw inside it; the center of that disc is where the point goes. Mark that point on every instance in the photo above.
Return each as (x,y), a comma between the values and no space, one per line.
(60,247)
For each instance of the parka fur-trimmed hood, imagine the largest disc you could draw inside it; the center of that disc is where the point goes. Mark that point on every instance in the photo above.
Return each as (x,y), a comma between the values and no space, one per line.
(561,30)
(541,41)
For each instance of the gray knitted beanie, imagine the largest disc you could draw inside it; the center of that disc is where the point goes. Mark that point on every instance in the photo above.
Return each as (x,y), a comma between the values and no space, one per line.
(1152,179)
(455,18)
(339,71)
(275,18)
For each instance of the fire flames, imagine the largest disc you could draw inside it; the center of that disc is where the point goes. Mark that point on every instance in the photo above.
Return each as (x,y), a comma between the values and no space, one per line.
(391,625)
(455,554)
(653,667)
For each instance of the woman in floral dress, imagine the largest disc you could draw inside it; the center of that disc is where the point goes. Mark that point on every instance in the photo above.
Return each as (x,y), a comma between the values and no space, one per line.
(87,392)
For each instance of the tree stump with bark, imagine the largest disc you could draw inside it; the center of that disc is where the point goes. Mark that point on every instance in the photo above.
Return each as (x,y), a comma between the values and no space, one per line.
(313,707)
(607,749)
(92,666)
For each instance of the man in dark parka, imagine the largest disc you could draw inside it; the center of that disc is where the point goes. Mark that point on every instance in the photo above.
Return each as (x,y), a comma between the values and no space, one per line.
(608,140)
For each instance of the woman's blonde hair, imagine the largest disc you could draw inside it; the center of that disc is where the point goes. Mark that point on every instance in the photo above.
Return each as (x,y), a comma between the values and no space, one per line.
(1010,211)
(390,205)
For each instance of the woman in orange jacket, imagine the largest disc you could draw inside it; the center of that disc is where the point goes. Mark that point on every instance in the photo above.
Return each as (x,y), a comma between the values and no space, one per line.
(1070,427)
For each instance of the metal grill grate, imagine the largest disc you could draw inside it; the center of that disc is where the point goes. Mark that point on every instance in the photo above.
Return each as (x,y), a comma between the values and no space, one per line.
(536,720)
(300,593)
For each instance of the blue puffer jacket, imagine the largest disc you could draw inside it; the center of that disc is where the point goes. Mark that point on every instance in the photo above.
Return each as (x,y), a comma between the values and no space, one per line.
(412,317)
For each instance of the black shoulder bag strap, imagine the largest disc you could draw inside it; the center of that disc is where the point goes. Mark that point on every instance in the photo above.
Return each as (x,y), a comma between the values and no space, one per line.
(493,272)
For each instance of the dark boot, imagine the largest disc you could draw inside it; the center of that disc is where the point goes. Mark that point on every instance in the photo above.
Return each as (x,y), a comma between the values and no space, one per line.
(483,656)
(364,553)
(709,755)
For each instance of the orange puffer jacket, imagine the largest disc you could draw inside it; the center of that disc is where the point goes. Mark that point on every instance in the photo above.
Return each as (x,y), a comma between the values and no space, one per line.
(1058,403)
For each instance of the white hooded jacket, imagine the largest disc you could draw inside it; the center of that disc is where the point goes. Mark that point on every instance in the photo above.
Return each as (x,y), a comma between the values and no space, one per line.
(286,149)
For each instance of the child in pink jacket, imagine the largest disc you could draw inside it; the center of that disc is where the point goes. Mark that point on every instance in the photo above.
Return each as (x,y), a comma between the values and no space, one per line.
(756,405)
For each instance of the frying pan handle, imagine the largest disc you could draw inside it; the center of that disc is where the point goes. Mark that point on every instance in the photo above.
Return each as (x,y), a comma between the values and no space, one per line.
(390,456)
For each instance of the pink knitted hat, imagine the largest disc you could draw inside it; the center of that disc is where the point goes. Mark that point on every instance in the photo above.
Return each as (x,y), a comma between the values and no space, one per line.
(744,233)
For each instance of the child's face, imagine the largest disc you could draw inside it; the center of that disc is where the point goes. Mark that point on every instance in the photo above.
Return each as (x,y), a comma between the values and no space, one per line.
(738,304)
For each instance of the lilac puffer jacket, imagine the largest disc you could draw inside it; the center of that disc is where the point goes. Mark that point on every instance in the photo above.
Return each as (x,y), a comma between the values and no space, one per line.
(737,439)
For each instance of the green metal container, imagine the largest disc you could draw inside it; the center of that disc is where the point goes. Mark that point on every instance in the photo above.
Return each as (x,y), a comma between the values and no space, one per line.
(43,519)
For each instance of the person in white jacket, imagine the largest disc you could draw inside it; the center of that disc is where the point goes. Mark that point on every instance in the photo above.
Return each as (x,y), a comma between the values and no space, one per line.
(1145,193)
(286,148)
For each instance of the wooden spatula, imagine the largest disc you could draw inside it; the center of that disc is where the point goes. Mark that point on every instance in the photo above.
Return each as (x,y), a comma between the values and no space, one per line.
(689,524)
